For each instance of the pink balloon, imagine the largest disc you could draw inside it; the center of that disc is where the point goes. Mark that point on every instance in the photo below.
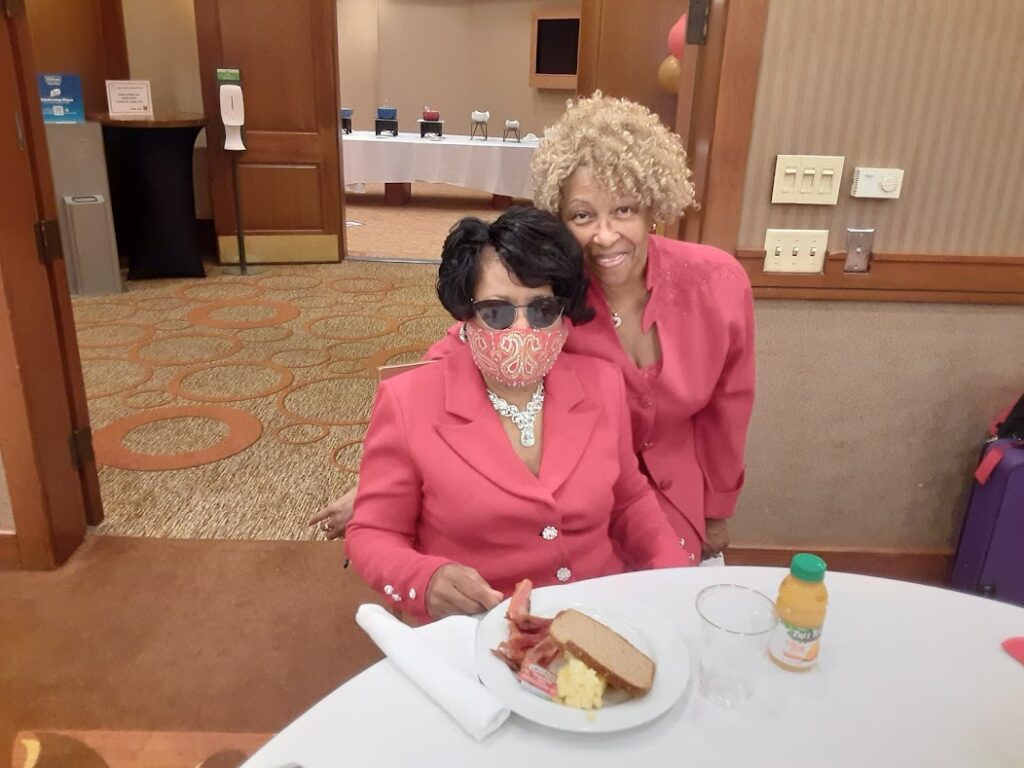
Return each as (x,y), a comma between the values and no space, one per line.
(677,37)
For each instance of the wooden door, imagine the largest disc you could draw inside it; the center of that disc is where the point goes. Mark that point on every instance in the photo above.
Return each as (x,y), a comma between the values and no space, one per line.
(38,355)
(621,47)
(290,172)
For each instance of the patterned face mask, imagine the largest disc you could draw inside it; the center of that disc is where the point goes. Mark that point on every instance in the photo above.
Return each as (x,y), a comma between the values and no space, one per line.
(512,357)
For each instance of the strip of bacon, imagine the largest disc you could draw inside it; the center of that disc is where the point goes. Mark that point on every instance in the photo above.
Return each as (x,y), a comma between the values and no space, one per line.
(519,604)
(502,653)
(532,624)
(543,653)
(527,635)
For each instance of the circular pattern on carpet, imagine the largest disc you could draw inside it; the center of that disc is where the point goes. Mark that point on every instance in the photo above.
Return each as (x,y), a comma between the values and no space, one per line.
(186,349)
(148,398)
(160,304)
(413,294)
(103,311)
(360,285)
(218,290)
(268,334)
(313,302)
(428,328)
(350,327)
(289,282)
(359,351)
(106,376)
(282,313)
(346,367)
(243,429)
(396,310)
(348,308)
(412,353)
(347,456)
(185,434)
(114,335)
(228,382)
(335,401)
(172,325)
(301,434)
(300,358)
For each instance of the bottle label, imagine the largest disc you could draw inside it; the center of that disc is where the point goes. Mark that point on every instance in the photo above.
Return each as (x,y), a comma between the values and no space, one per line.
(795,646)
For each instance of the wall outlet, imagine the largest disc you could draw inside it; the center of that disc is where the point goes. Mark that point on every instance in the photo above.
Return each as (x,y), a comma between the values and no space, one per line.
(795,250)
(807,179)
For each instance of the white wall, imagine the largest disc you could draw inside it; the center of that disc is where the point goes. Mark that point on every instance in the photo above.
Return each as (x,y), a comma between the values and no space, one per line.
(453,55)
(163,48)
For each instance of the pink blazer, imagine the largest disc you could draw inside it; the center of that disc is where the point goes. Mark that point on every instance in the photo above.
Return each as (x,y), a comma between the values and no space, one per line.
(441,483)
(689,413)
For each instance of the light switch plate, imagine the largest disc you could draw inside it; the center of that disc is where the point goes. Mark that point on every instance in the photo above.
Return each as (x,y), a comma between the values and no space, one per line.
(807,179)
(795,250)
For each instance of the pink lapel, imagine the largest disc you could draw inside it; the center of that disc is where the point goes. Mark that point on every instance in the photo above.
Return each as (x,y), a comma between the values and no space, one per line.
(569,421)
(480,441)
(478,438)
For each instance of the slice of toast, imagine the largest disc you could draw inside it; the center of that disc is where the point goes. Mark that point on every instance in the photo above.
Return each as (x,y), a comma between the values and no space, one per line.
(605,651)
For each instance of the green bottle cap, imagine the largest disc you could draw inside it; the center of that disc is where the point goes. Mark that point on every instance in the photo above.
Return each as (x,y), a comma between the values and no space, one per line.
(808,567)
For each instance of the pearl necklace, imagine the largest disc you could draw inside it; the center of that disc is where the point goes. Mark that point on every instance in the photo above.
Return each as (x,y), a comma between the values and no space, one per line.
(522,419)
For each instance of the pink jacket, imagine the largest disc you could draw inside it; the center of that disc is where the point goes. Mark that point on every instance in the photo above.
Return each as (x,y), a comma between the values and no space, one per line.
(441,483)
(690,413)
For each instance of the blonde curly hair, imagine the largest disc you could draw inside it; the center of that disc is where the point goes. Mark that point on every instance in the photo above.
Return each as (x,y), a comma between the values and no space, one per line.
(627,149)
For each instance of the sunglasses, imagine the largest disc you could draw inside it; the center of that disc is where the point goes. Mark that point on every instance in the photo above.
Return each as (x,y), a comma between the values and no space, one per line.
(542,312)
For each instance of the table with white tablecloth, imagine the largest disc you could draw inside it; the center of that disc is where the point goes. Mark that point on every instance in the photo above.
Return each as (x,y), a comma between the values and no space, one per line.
(499,167)
(908,676)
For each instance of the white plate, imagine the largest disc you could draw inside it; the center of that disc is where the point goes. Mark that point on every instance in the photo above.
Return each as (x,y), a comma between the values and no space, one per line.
(639,624)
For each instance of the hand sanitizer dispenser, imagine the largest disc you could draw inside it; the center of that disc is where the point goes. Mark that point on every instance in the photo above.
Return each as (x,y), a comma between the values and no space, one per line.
(232,113)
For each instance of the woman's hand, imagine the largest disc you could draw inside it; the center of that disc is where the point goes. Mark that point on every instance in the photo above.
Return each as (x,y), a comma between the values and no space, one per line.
(334,518)
(716,538)
(456,590)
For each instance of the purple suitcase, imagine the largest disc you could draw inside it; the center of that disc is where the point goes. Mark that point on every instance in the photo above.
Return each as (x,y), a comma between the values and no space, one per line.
(990,557)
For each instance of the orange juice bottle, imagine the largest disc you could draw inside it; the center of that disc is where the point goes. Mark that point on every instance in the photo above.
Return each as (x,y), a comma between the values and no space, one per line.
(801,609)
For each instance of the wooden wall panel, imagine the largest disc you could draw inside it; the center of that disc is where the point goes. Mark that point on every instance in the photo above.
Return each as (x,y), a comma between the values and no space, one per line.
(283,198)
(931,86)
(292,77)
(84,37)
(961,279)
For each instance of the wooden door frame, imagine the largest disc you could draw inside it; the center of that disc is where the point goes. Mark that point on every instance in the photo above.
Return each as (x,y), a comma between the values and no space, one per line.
(46,205)
(46,533)
(717,125)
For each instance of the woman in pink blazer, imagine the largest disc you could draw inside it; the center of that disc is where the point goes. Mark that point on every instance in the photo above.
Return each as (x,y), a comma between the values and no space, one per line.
(676,318)
(507,459)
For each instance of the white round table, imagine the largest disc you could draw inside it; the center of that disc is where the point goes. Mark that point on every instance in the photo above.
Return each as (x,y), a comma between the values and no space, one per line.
(908,676)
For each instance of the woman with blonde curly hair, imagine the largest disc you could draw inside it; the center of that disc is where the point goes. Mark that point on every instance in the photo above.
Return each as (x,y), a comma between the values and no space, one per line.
(676,317)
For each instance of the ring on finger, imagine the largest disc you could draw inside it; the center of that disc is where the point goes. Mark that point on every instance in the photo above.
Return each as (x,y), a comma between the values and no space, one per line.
(325,526)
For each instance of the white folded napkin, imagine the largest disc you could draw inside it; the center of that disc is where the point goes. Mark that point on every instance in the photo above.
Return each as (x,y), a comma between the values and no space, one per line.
(471,705)
(712,562)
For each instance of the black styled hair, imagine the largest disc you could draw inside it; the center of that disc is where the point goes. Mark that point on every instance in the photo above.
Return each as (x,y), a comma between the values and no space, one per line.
(534,245)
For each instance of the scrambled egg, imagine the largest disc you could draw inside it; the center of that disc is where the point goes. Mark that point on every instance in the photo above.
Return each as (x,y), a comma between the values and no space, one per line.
(579,686)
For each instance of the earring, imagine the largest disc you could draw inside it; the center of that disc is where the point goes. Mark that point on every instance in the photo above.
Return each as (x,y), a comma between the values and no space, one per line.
(462,334)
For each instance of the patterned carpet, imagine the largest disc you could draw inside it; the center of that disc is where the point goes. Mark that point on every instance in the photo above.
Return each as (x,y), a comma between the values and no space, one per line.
(234,407)
(413,231)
